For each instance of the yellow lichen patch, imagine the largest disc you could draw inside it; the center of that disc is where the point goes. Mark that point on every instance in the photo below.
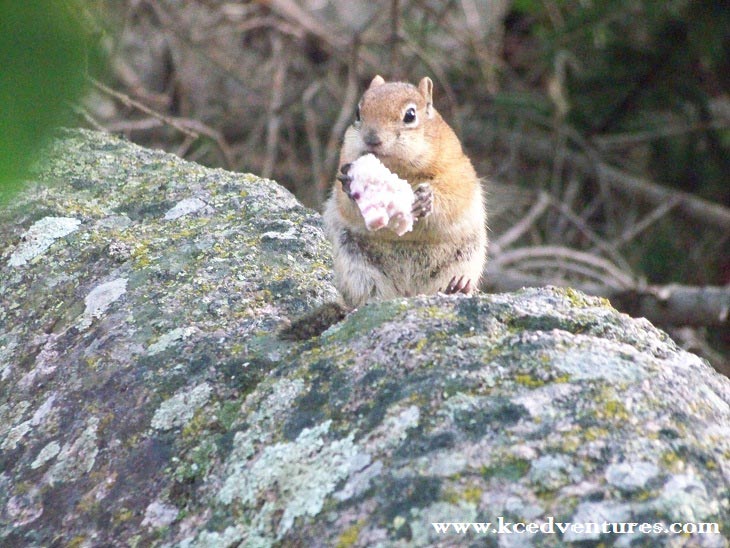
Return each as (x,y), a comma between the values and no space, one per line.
(77,541)
(349,536)
(133,440)
(570,444)
(529,381)
(141,256)
(451,495)
(122,516)
(615,410)
(671,461)
(196,425)
(22,487)
(610,409)
(238,348)
(472,494)
(420,344)
(595,433)
(438,313)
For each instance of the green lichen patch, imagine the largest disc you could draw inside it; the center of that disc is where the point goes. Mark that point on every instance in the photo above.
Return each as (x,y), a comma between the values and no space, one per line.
(180,409)
(512,469)
(298,475)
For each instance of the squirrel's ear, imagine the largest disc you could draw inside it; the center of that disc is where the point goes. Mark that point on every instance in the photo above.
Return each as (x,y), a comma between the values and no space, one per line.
(377,81)
(425,86)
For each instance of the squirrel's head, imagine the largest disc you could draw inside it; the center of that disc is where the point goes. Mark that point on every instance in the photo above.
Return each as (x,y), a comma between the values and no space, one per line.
(395,122)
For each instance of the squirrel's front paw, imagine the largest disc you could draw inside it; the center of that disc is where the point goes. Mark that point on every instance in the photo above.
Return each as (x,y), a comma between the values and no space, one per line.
(346,180)
(423,201)
(459,285)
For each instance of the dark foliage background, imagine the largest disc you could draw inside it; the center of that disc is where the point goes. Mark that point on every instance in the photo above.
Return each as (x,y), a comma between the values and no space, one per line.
(602,128)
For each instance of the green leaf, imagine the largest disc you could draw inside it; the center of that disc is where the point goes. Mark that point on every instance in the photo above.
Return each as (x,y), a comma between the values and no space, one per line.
(42,53)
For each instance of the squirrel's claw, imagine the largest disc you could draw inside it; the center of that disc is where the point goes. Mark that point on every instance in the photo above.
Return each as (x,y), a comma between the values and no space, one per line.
(458,285)
(345,179)
(423,202)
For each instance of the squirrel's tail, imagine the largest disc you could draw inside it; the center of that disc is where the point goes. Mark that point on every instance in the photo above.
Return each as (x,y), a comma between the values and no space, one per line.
(314,323)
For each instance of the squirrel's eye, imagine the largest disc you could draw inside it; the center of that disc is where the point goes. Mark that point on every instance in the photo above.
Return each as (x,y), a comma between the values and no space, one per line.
(357,114)
(410,116)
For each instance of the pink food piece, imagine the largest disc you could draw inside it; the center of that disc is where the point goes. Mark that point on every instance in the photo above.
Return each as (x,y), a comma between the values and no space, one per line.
(383,198)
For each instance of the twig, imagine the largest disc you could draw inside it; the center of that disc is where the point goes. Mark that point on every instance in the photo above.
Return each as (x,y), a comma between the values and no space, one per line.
(564,269)
(523,225)
(698,209)
(558,161)
(211,56)
(146,124)
(614,278)
(485,36)
(556,18)
(663,305)
(315,146)
(273,115)
(213,134)
(568,198)
(290,10)
(629,139)
(184,147)
(266,22)
(88,118)
(582,226)
(659,212)
(507,167)
(678,305)
(394,39)
(345,115)
(128,101)
(124,72)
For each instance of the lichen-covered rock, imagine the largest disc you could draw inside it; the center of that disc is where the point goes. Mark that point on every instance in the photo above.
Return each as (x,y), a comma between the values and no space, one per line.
(146,401)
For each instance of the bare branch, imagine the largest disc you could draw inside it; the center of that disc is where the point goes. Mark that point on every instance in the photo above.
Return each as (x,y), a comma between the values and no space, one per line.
(619,140)
(336,44)
(128,101)
(213,134)
(604,271)
(315,146)
(343,118)
(646,222)
(88,118)
(522,226)
(608,248)
(667,305)
(198,128)
(394,40)
(273,114)
(700,210)
(677,304)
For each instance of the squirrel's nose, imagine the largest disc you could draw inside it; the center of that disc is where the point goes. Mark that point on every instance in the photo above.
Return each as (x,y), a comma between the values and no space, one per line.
(372,139)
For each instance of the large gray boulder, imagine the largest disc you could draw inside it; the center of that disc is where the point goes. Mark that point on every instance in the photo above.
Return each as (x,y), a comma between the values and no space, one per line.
(145,399)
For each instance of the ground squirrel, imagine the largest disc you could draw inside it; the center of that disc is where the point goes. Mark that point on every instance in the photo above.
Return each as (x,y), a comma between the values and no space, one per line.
(446,250)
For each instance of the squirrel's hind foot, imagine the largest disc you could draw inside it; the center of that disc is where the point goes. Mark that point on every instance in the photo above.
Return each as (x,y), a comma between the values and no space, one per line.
(459,285)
